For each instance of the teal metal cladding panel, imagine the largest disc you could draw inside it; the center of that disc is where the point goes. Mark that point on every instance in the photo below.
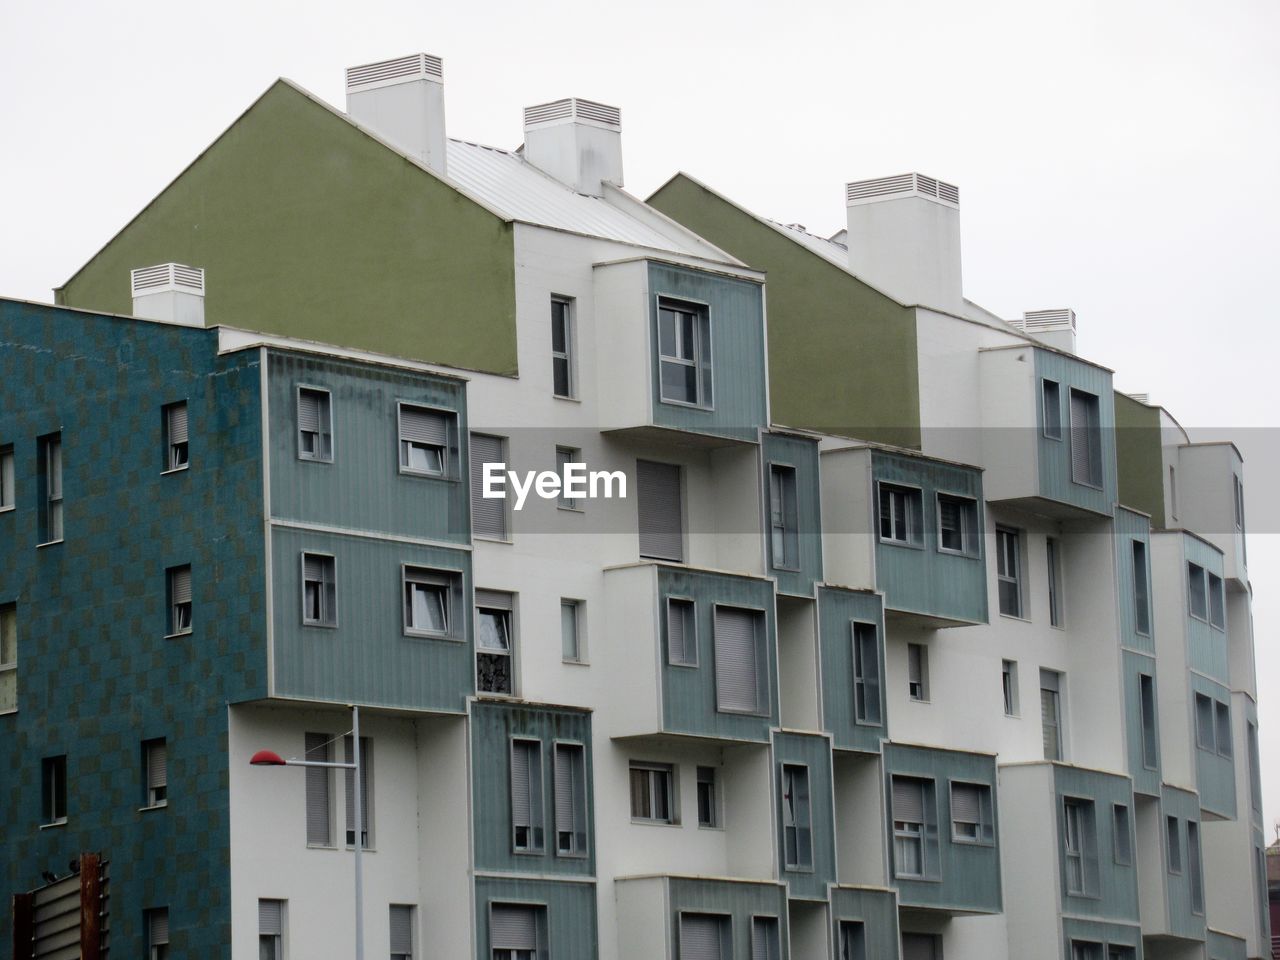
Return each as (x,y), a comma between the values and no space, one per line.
(566,914)
(1105,934)
(739,902)
(96,674)
(876,910)
(363,488)
(1182,922)
(1112,885)
(1131,527)
(689,693)
(967,875)
(1206,644)
(367,658)
(837,609)
(735,310)
(1223,946)
(922,579)
(1055,455)
(1215,771)
(493,725)
(1146,780)
(802,454)
(813,753)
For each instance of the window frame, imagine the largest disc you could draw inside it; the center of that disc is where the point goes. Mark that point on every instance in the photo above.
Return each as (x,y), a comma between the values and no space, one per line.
(691,618)
(985,835)
(862,679)
(155,921)
(573,455)
(154,794)
(1059,679)
(1215,590)
(448,469)
(1197,592)
(1093,437)
(507,614)
(772,925)
(1141,587)
(174,626)
(1121,854)
(913,514)
(760,626)
(1195,868)
(921,838)
(9,668)
(671,792)
(1222,733)
(328,618)
(1173,845)
(8,478)
(277,937)
(324,424)
(1053,567)
(52,503)
(367,802)
(53,790)
(1149,722)
(429,577)
(578,798)
(570,353)
(803,830)
(715,819)
(538,913)
(579,631)
(919,665)
(1204,719)
(410,913)
(172,463)
(702,360)
(1086,828)
(970,539)
(1009,692)
(320,778)
(1045,424)
(537,825)
(1017,578)
(785,478)
(477,487)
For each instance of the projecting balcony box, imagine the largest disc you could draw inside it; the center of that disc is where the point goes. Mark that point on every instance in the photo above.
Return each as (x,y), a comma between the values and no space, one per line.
(910,526)
(1083,868)
(852,656)
(864,921)
(1170,853)
(1048,432)
(681,349)
(1209,480)
(694,653)
(794,510)
(806,829)
(671,917)
(943,829)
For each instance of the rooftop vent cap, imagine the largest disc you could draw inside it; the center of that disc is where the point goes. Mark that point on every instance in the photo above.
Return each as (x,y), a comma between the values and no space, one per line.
(573,110)
(167,277)
(1140,397)
(384,73)
(902,185)
(1033,320)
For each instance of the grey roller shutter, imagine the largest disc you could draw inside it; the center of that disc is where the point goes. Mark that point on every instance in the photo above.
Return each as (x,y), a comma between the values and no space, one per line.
(366,772)
(677,649)
(737,680)
(566,761)
(512,928)
(660,518)
(908,800)
(966,806)
(308,412)
(488,515)
(181,585)
(158,934)
(401,930)
(313,567)
(1083,428)
(269,919)
(424,426)
(764,938)
(1049,716)
(919,946)
(493,599)
(521,754)
(319,796)
(699,937)
(157,765)
(178,423)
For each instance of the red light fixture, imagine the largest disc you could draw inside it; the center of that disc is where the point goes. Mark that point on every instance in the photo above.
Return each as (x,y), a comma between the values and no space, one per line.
(267,758)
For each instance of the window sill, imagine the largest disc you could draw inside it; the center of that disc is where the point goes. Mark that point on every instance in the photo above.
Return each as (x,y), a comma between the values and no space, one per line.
(48,543)
(687,666)
(423,474)
(744,713)
(9,713)
(924,700)
(901,543)
(713,827)
(637,821)
(964,842)
(1014,616)
(916,878)
(180,633)
(783,569)
(561,506)
(1086,484)
(965,555)
(163,804)
(562,855)
(427,635)
(1050,436)
(328,460)
(1013,716)
(561,396)
(8,509)
(183,469)
(323,846)
(531,852)
(319,625)
(575,663)
(56,823)
(351,847)
(687,404)
(797,868)
(507,540)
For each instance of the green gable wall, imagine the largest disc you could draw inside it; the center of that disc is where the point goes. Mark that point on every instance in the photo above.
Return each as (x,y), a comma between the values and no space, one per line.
(1138,459)
(308,227)
(842,356)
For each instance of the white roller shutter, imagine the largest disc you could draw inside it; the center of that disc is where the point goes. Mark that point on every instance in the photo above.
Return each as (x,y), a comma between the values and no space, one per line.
(308,412)
(178,423)
(522,755)
(1083,428)
(157,765)
(908,800)
(512,928)
(488,515)
(424,426)
(401,930)
(270,923)
(737,677)
(966,803)
(319,795)
(661,521)
(181,587)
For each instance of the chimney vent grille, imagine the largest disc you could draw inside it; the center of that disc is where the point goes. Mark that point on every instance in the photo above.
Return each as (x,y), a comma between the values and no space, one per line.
(902,185)
(167,276)
(1033,320)
(416,66)
(573,109)
(1140,397)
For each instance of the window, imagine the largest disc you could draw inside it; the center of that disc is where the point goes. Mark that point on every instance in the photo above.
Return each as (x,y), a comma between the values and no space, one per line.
(1009,686)
(957,525)
(661,522)
(156,921)
(1198,603)
(178,585)
(424,440)
(176,452)
(1086,439)
(1083,950)
(1141,590)
(564,456)
(1122,839)
(50,448)
(515,932)
(971,816)
(1052,397)
(766,942)
(739,639)
(797,830)
(8,657)
(427,607)
(911,798)
(1206,739)
(651,792)
(1193,867)
(866,674)
(526,796)
(1251,741)
(784,538)
(270,929)
(400,923)
(563,381)
(708,798)
(900,515)
(315,425)
(571,648)
(488,514)
(1053,558)
(918,672)
(1222,727)
(853,940)
(7,500)
(684,354)
(1173,844)
(571,800)
(682,632)
(1238,487)
(1173,492)
(366,792)
(1217,607)
(53,789)
(921,946)
(1079,846)
(1147,708)
(319,591)
(494,642)
(1009,571)
(155,773)
(319,790)
(705,936)
(1051,713)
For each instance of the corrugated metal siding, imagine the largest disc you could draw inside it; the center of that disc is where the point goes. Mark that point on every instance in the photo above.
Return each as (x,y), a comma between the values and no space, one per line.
(1145,781)
(1095,931)
(1215,774)
(814,752)
(1117,884)
(802,454)
(367,658)
(877,910)
(1055,455)
(736,312)
(970,873)
(689,693)
(363,489)
(741,901)
(1206,645)
(1182,922)
(1130,526)
(567,921)
(923,580)
(836,609)
(492,727)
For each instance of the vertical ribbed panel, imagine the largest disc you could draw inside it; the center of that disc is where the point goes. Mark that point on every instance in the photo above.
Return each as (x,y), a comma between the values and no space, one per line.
(699,937)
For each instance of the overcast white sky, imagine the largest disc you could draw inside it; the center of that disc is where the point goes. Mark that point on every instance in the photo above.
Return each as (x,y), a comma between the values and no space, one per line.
(1121,158)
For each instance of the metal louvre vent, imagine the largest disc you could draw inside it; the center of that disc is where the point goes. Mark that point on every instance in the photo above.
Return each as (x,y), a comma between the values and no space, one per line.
(167,276)
(905,184)
(416,66)
(1033,320)
(572,108)
(1140,397)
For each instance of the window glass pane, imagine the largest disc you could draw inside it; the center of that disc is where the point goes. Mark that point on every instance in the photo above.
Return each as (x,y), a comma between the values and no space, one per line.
(569,648)
(1196,591)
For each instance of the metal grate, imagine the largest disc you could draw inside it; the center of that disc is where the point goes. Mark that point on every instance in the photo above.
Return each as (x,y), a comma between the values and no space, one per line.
(1140,397)
(416,66)
(904,184)
(1033,320)
(167,276)
(573,108)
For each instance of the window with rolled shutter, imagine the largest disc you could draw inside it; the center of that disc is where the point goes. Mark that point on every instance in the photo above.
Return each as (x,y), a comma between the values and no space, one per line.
(175,431)
(401,931)
(156,759)
(488,514)
(909,821)
(682,636)
(319,789)
(1050,715)
(700,936)
(366,792)
(1086,444)
(570,799)
(738,634)
(660,515)
(968,824)
(526,795)
(764,938)
(270,929)
(158,931)
(315,425)
(513,927)
(866,674)
(179,600)
(319,590)
(424,440)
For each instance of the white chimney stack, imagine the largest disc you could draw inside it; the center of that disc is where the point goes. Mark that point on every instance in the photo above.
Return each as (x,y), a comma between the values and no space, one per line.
(402,101)
(1057,328)
(579,142)
(169,291)
(904,238)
